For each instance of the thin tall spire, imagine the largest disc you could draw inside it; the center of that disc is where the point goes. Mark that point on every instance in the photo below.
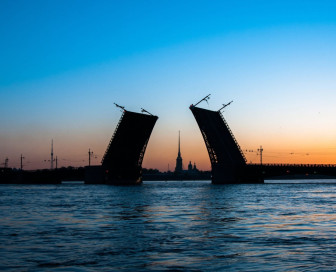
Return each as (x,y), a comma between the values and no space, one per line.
(21,159)
(52,155)
(179,165)
(179,146)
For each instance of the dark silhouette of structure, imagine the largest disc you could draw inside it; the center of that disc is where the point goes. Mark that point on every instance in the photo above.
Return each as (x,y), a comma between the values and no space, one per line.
(190,167)
(179,164)
(228,163)
(193,174)
(90,154)
(42,176)
(122,162)
(52,155)
(21,162)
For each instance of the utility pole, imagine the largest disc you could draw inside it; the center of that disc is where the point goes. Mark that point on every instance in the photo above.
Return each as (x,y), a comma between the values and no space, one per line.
(260,150)
(21,161)
(90,153)
(6,163)
(52,155)
(56,162)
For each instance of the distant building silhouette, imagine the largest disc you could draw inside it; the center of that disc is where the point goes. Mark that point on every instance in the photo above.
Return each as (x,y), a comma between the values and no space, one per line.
(190,167)
(179,166)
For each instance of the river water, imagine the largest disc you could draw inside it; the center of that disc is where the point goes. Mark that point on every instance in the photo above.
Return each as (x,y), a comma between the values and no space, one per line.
(168,226)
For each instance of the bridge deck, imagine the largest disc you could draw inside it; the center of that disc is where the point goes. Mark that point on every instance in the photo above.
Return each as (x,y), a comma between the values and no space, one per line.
(228,163)
(124,154)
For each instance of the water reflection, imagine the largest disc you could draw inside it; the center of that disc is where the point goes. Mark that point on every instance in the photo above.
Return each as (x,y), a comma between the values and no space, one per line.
(168,226)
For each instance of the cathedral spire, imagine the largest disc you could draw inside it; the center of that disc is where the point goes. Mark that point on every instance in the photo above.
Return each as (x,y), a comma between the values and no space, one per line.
(179,149)
(179,167)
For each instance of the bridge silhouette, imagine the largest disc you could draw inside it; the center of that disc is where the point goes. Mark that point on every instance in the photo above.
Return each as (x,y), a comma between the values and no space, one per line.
(228,162)
(122,162)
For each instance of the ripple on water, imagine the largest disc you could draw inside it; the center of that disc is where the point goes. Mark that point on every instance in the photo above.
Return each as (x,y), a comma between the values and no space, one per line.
(193,226)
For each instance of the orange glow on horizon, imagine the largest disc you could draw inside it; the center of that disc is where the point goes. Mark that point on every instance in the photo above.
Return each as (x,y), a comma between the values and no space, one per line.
(162,149)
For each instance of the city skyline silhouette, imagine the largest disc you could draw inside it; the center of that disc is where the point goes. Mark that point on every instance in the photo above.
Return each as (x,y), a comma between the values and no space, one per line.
(65,64)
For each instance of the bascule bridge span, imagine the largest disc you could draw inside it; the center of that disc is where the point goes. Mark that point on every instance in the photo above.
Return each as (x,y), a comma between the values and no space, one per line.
(228,162)
(122,161)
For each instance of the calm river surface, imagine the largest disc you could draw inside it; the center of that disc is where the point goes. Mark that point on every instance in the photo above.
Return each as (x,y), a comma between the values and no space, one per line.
(172,226)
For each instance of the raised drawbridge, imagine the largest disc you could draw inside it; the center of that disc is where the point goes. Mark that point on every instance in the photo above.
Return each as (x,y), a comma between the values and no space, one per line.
(228,163)
(123,157)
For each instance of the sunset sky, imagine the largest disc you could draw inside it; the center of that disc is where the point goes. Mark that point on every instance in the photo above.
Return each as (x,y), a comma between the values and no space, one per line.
(64,63)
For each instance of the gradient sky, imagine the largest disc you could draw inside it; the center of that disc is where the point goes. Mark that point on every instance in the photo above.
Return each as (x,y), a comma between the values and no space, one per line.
(64,63)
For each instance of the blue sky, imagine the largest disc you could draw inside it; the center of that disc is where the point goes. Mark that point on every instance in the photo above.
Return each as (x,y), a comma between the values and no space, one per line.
(64,63)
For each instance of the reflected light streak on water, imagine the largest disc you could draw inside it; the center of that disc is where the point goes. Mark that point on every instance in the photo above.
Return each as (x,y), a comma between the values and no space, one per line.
(182,226)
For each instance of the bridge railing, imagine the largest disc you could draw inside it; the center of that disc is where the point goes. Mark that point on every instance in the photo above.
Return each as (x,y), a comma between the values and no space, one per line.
(233,137)
(293,165)
(115,131)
